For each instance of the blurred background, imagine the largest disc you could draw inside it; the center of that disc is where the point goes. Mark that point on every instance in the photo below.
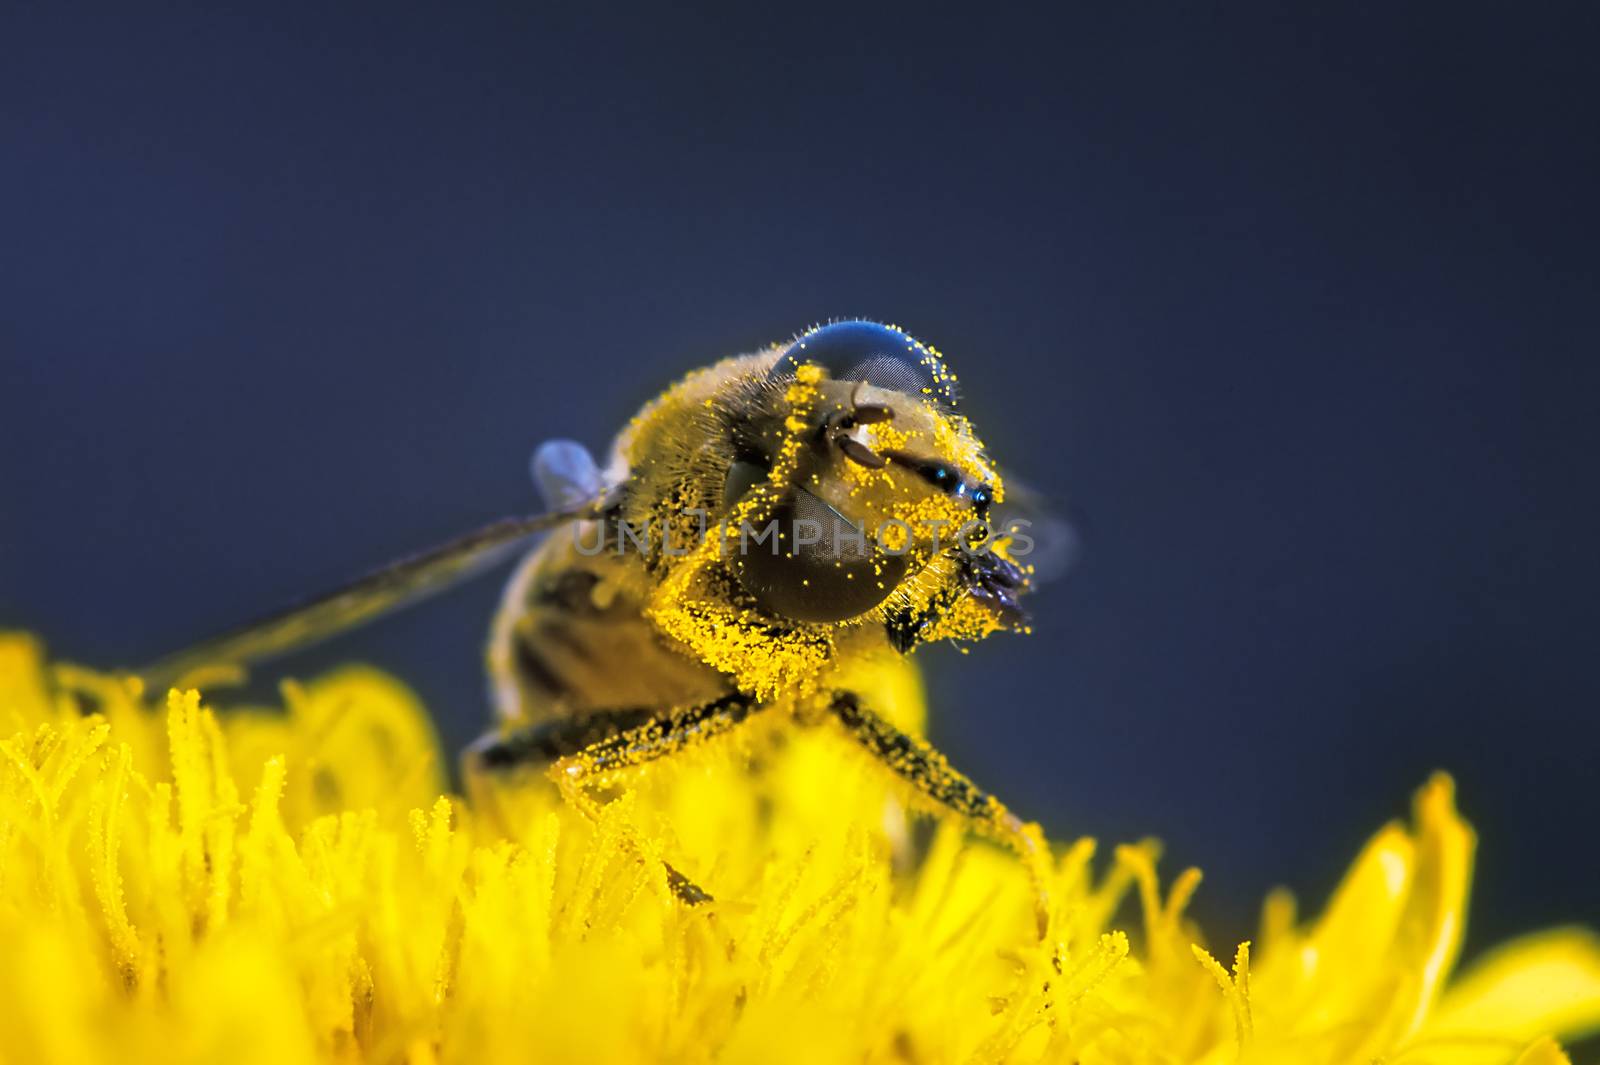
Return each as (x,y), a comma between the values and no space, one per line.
(1297,312)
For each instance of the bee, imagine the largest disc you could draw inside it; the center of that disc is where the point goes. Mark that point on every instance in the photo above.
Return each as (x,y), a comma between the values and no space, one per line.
(767,537)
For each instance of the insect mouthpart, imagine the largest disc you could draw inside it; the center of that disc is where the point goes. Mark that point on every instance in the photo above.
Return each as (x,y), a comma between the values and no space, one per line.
(998,584)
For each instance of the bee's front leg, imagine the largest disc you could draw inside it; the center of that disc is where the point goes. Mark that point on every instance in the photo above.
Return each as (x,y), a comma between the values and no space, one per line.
(931,774)
(593,752)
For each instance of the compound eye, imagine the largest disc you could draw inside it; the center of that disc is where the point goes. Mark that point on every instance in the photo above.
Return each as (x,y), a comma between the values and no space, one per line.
(807,562)
(881,355)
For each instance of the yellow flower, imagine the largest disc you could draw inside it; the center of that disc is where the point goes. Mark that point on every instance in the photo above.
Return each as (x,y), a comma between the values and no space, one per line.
(290,885)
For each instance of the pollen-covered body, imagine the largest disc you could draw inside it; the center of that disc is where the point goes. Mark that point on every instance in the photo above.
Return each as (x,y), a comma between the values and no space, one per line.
(772,535)
(643,606)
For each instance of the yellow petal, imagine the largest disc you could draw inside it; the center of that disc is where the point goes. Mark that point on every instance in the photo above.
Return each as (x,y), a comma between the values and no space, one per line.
(1326,972)
(1544,1052)
(1371,967)
(1549,982)
(1429,937)
(24,694)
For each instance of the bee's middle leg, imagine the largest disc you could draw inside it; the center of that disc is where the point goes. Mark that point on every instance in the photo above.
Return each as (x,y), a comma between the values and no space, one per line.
(538,745)
(597,749)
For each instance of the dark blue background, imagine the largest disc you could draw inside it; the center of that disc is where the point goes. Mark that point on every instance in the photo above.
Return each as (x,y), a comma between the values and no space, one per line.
(1298,310)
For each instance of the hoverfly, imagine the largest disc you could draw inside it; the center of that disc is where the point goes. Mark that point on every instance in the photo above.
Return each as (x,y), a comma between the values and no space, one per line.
(762,527)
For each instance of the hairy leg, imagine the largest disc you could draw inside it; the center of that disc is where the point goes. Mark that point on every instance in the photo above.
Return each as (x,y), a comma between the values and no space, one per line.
(540,744)
(931,774)
(598,749)
(661,735)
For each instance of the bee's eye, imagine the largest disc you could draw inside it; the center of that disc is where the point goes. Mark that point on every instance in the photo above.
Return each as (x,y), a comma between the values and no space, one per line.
(881,355)
(807,562)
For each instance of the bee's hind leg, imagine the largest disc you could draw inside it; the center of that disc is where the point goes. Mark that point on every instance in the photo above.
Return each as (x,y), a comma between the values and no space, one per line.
(931,774)
(598,749)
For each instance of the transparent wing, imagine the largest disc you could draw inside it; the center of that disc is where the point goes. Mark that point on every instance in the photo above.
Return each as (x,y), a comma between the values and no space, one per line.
(565,474)
(379,592)
(1041,535)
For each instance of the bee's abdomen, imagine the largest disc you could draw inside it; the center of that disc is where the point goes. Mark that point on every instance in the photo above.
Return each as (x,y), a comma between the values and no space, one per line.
(566,641)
